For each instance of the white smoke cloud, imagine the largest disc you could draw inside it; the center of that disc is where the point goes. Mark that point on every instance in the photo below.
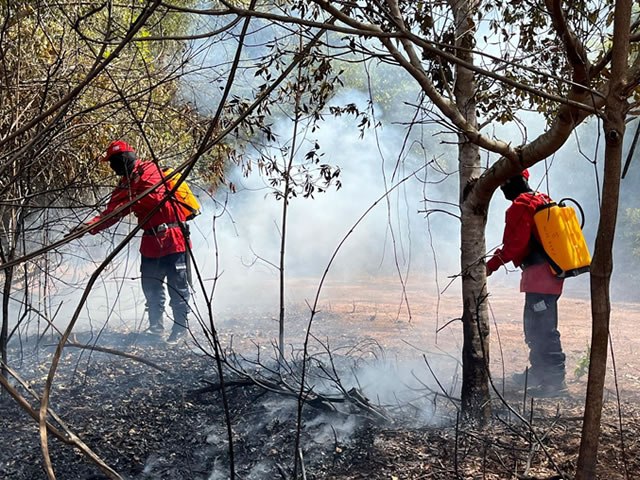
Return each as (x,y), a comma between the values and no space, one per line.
(316,226)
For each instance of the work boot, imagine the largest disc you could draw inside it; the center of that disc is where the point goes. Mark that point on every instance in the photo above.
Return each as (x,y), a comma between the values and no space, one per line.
(176,336)
(155,329)
(520,378)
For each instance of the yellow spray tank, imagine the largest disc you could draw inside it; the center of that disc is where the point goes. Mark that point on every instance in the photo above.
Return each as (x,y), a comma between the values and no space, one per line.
(562,239)
(186,200)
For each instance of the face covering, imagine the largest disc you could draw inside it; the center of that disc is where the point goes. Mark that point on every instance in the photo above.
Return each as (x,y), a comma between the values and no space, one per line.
(122,163)
(514,187)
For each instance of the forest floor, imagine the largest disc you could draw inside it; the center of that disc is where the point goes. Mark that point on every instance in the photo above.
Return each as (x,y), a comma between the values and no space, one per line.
(164,419)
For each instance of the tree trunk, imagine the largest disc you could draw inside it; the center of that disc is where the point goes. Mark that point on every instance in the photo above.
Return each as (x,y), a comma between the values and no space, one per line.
(475,320)
(14,227)
(475,350)
(602,264)
(4,329)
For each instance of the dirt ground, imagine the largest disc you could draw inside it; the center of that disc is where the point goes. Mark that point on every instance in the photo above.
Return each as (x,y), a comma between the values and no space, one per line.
(164,419)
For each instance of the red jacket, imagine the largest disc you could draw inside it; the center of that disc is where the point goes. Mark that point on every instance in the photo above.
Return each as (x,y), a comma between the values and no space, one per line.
(153,245)
(518,229)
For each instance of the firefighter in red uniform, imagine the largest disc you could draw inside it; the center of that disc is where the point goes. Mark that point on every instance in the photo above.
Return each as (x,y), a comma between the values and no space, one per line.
(164,241)
(521,246)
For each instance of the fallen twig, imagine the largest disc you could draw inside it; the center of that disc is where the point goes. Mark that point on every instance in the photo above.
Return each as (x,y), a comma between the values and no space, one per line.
(67,436)
(119,353)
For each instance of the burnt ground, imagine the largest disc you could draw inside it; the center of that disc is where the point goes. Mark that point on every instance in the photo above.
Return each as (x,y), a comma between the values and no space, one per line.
(165,420)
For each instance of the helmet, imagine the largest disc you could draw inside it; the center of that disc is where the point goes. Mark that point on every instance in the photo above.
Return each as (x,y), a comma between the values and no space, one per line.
(117,146)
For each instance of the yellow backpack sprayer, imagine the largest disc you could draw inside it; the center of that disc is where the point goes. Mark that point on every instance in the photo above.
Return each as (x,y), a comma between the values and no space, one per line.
(186,201)
(185,198)
(562,239)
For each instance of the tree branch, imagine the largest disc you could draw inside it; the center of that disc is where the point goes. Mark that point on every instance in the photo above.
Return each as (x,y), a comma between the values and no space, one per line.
(574,49)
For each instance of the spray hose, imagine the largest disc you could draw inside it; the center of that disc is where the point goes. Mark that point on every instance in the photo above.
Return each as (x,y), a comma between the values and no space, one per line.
(562,204)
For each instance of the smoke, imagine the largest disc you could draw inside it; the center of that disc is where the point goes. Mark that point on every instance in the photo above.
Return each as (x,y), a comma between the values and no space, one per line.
(394,245)
(395,384)
(393,242)
(402,390)
(391,237)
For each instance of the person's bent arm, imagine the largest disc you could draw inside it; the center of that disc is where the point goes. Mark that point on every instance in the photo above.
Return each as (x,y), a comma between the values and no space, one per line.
(515,240)
(119,197)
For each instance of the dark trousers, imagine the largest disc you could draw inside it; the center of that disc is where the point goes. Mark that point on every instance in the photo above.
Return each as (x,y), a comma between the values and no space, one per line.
(172,270)
(543,338)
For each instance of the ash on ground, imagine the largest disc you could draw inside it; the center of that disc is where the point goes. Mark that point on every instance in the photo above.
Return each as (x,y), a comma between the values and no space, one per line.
(165,419)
